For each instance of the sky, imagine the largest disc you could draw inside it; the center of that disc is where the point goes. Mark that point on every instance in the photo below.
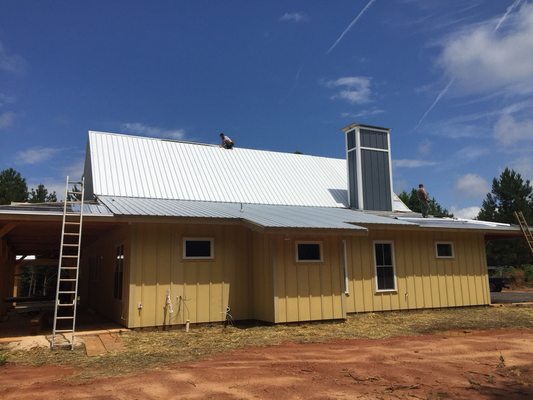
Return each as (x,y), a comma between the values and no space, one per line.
(453,80)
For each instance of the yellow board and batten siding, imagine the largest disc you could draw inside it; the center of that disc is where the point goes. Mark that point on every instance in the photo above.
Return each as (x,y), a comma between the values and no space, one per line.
(307,291)
(422,279)
(257,275)
(200,290)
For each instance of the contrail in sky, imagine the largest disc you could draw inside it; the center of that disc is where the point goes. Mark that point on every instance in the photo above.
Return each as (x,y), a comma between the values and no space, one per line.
(442,93)
(509,9)
(445,90)
(352,24)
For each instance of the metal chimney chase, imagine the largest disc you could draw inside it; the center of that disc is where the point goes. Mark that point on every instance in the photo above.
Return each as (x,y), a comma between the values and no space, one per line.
(368,159)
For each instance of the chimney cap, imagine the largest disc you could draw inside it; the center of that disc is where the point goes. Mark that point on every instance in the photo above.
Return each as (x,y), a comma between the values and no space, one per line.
(348,128)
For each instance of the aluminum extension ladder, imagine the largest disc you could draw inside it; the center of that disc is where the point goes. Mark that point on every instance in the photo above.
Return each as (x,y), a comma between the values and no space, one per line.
(69,264)
(525,229)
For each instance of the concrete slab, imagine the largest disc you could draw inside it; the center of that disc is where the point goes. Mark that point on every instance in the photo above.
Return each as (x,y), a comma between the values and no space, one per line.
(94,346)
(112,342)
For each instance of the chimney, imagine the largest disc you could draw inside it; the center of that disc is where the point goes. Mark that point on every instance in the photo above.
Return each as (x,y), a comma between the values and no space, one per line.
(369,167)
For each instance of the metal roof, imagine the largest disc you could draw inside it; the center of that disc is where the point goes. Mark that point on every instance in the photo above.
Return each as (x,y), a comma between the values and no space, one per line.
(162,169)
(259,214)
(460,223)
(54,208)
(132,166)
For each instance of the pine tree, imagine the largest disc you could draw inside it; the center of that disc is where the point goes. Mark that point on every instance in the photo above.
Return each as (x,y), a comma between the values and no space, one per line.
(509,193)
(13,187)
(41,195)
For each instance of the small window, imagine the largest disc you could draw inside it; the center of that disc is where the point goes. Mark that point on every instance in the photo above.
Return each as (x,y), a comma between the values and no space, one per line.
(308,251)
(119,273)
(385,274)
(444,249)
(198,248)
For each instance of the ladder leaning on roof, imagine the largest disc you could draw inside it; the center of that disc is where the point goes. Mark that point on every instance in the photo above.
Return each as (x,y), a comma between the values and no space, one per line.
(69,263)
(525,229)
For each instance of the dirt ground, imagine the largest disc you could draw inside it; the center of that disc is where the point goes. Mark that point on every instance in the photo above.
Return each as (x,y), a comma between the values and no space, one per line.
(493,364)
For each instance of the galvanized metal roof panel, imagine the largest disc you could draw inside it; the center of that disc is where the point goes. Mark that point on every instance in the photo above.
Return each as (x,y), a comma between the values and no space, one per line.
(133,166)
(460,223)
(55,208)
(259,214)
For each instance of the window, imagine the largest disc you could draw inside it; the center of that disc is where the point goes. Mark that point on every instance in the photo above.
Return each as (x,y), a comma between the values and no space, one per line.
(308,251)
(444,249)
(119,273)
(198,248)
(385,275)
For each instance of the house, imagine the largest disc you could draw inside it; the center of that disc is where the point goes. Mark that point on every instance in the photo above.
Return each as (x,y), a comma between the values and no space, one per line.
(178,232)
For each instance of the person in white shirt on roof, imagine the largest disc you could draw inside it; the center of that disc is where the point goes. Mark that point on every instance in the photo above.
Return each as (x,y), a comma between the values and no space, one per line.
(227,143)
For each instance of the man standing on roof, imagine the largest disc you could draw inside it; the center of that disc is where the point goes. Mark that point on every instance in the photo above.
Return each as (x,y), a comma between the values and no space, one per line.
(227,143)
(423,198)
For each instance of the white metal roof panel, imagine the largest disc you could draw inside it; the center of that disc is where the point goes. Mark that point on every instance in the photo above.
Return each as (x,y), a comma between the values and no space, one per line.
(461,223)
(154,168)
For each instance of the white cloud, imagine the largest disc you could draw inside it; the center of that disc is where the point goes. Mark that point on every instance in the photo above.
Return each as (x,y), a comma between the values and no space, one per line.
(363,113)
(11,62)
(472,186)
(75,170)
(35,155)
(5,99)
(481,59)
(405,163)
(466,212)
(524,166)
(354,89)
(294,16)
(6,119)
(508,131)
(145,130)
(471,153)
(424,147)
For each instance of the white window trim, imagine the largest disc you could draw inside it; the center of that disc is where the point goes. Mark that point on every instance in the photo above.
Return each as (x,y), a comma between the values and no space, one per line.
(393,258)
(308,242)
(443,242)
(206,239)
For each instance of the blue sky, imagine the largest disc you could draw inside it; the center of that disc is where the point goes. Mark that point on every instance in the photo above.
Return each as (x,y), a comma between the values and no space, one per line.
(452,79)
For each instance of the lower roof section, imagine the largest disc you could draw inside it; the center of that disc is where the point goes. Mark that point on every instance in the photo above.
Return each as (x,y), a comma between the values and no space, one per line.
(111,209)
(461,223)
(268,216)
(54,208)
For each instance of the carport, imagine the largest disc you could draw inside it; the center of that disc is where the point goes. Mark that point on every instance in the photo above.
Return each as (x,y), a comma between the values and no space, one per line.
(30,236)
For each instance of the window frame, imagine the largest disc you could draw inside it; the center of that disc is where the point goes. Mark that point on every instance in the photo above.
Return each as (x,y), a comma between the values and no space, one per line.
(320,246)
(444,242)
(211,241)
(393,259)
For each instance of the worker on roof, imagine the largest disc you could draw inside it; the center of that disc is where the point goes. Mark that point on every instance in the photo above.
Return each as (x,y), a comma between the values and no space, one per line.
(227,143)
(423,198)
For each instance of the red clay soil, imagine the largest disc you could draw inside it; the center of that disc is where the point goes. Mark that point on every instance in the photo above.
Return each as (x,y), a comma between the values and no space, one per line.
(479,365)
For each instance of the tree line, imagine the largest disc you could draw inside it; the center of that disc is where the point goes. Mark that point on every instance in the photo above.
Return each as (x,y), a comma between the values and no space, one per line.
(13,188)
(509,193)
